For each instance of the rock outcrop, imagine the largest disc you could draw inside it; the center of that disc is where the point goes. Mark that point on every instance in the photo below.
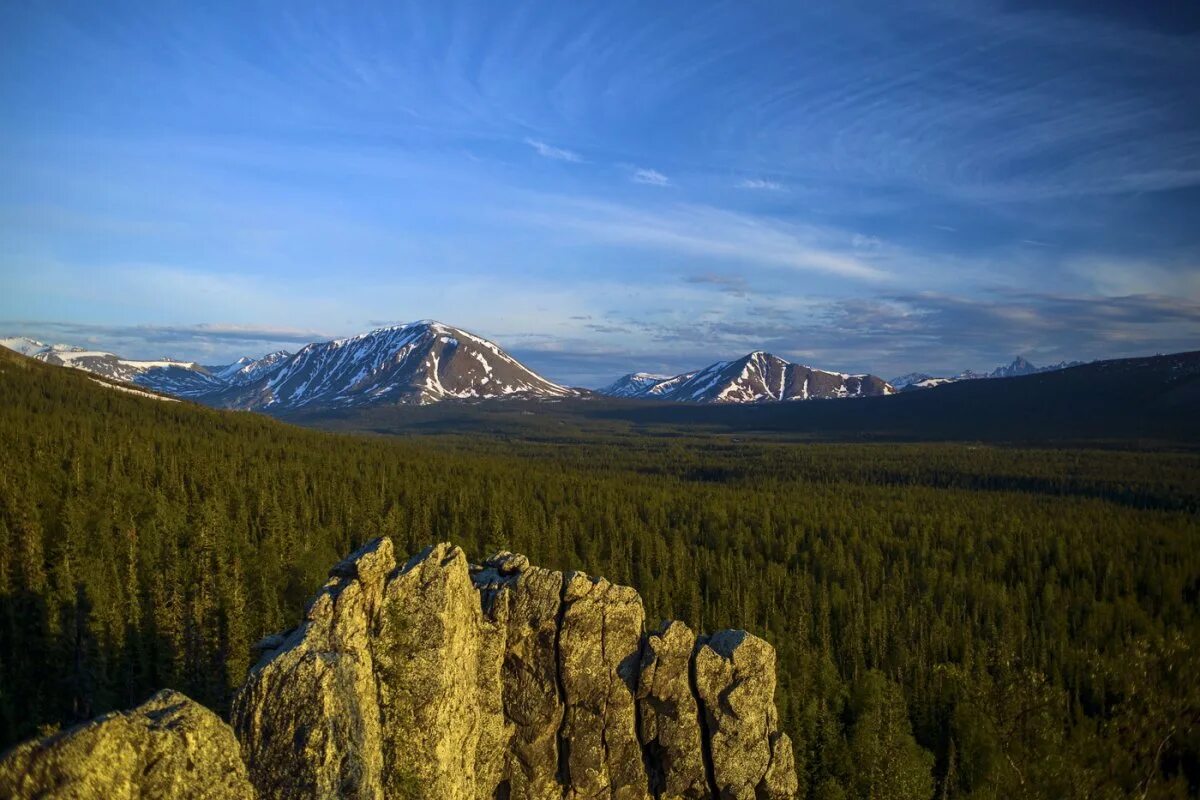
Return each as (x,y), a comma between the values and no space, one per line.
(436,678)
(169,746)
(735,678)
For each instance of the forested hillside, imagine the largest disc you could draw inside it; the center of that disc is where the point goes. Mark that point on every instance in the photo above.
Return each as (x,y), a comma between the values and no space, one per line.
(951,620)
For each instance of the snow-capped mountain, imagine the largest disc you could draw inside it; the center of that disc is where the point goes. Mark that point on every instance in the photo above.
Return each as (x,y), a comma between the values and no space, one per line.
(247,370)
(1019,366)
(182,378)
(635,384)
(908,379)
(422,362)
(754,378)
(31,347)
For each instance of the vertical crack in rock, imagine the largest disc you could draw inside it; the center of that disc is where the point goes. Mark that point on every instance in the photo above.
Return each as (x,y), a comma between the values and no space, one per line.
(670,720)
(530,682)
(492,767)
(563,744)
(649,761)
(600,640)
(705,732)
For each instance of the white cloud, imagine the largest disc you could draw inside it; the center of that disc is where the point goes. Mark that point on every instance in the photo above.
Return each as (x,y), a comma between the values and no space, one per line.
(707,232)
(650,177)
(761,184)
(1117,277)
(555,153)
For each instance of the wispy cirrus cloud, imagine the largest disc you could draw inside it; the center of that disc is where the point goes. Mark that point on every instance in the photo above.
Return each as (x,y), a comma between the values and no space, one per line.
(730,284)
(650,177)
(760,184)
(712,233)
(318,177)
(554,153)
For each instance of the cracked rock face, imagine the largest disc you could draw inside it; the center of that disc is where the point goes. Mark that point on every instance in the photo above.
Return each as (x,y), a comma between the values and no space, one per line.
(599,651)
(735,679)
(309,713)
(169,746)
(437,678)
(532,696)
(670,721)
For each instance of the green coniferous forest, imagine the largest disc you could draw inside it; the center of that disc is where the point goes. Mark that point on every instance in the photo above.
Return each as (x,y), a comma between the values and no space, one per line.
(952,621)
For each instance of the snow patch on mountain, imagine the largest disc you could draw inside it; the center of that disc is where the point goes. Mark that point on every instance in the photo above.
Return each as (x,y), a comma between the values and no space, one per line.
(757,377)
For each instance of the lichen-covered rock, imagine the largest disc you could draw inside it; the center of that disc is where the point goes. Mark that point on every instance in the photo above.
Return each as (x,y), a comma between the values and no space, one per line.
(530,686)
(735,679)
(599,653)
(492,750)
(429,647)
(670,724)
(780,782)
(169,746)
(308,715)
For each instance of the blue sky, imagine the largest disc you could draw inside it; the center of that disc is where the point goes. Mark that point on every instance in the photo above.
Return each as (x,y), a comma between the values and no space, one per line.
(603,187)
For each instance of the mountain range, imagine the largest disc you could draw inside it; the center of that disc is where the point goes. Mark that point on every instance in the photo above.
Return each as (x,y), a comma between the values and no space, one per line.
(1019,366)
(427,362)
(166,375)
(421,362)
(753,378)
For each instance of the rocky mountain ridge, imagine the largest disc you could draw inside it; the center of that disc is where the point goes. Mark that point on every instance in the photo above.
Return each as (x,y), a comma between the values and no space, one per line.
(1017,367)
(179,378)
(754,378)
(419,363)
(427,362)
(439,678)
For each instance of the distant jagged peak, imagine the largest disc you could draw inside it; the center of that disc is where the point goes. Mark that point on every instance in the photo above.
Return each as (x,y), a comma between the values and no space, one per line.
(757,377)
(1020,365)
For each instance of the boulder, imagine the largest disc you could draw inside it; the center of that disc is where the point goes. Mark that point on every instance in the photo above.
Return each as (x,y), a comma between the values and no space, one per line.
(431,647)
(599,652)
(169,746)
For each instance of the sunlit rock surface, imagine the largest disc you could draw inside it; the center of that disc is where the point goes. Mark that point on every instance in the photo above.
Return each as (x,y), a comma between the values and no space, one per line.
(169,746)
